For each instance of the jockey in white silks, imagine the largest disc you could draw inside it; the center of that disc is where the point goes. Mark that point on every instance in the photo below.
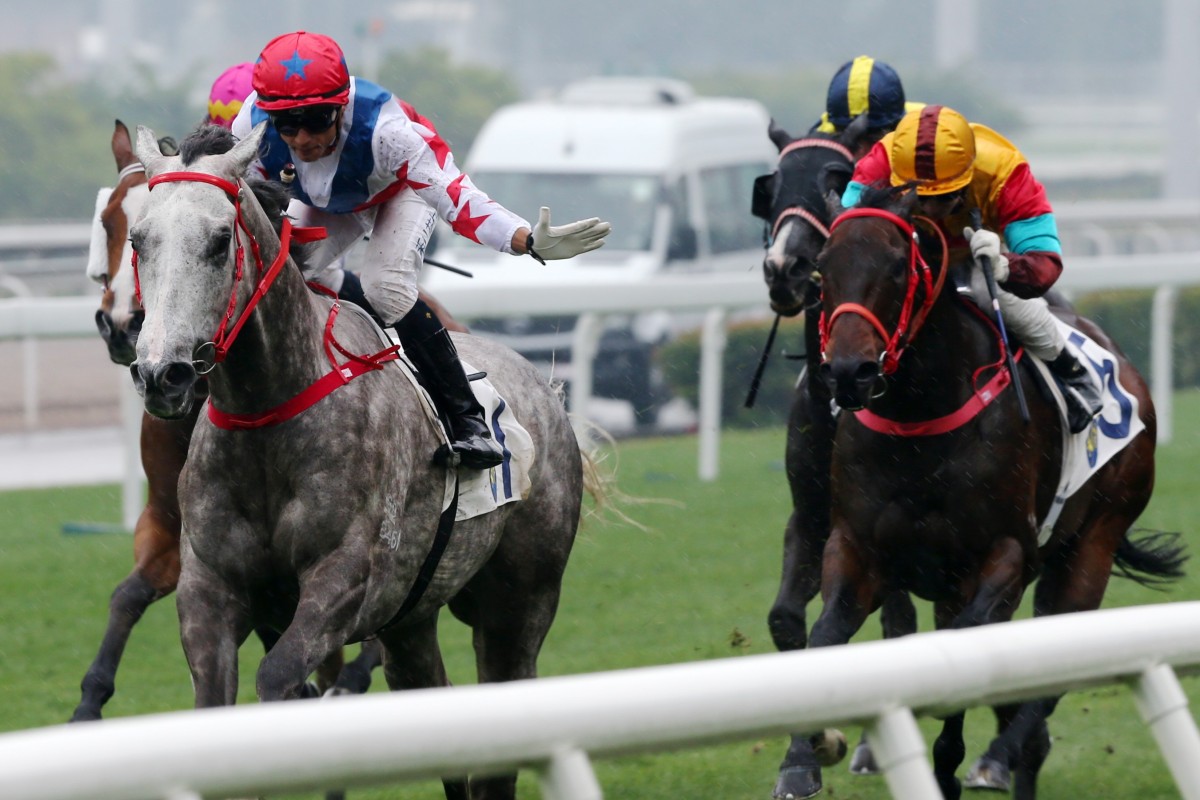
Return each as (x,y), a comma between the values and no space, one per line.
(361,161)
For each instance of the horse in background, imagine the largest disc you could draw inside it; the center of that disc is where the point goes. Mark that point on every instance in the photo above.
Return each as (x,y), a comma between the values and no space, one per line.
(939,487)
(792,201)
(328,521)
(164,447)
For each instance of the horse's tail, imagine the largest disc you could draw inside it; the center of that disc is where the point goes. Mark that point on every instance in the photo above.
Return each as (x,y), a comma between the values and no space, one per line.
(1152,560)
(599,475)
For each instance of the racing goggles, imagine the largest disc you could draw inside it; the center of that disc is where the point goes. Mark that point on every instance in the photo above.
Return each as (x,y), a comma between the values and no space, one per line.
(314,119)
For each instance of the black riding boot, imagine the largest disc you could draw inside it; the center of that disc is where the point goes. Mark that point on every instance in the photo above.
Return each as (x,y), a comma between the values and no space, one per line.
(429,346)
(1083,397)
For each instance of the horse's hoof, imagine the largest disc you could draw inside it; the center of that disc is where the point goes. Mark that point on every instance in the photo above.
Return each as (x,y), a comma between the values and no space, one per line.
(863,761)
(988,773)
(829,746)
(797,783)
(309,691)
(84,715)
(337,691)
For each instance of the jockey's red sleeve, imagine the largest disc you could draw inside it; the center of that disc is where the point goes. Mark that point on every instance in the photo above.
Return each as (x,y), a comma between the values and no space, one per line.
(1032,274)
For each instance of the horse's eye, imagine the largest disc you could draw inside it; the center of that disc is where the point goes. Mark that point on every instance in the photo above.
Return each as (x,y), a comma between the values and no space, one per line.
(219,247)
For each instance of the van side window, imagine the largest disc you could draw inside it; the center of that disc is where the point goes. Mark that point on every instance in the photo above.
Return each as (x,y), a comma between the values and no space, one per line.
(681,245)
(726,193)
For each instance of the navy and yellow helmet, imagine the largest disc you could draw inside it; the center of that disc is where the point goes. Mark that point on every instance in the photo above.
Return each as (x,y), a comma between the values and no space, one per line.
(864,86)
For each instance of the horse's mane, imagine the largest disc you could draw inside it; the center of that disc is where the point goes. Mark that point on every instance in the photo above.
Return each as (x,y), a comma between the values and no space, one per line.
(214,140)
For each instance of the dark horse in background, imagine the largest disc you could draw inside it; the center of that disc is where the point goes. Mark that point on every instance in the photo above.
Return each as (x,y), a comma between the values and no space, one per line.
(793,202)
(953,514)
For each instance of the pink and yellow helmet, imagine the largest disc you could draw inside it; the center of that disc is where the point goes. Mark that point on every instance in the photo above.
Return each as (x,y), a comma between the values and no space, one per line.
(228,93)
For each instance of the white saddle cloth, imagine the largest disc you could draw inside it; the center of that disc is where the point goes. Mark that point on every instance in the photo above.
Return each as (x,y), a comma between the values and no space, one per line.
(481,491)
(1084,453)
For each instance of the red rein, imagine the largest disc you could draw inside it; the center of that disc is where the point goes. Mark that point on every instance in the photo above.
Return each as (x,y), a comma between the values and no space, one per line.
(340,374)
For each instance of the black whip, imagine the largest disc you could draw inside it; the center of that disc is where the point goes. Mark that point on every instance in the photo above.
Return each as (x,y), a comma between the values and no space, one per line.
(762,365)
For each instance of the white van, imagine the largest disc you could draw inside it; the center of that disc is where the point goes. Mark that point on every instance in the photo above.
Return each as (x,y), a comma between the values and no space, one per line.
(671,171)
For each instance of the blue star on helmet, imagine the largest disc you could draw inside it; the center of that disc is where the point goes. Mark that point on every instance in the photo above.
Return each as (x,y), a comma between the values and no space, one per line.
(295,66)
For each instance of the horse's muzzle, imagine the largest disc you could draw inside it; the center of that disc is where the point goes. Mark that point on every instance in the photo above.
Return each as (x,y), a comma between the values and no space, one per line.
(121,342)
(167,389)
(851,381)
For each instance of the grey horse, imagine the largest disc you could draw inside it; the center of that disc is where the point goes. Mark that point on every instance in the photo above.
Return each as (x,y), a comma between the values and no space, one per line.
(319,526)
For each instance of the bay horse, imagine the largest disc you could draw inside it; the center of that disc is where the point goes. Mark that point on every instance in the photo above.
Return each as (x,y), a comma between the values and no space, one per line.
(323,515)
(792,202)
(938,486)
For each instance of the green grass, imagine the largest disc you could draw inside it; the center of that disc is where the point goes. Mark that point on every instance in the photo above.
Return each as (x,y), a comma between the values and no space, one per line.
(697,585)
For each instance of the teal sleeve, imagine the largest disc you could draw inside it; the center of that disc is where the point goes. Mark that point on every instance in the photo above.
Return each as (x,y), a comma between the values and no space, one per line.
(1036,234)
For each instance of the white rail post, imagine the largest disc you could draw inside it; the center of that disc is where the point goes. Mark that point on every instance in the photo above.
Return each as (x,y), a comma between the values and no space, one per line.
(1164,707)
(899,749)
(569,776)
(712,352)
(585,342)
(1162,327)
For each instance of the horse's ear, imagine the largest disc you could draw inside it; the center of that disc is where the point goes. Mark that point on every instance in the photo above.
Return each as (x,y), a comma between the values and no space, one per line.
(246,150)
(833,202)
(147,151)
(122,146)
(905,200)
(855,133)
(778,135)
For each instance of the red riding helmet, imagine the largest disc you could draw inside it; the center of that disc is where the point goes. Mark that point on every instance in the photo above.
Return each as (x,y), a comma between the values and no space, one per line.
(301,69)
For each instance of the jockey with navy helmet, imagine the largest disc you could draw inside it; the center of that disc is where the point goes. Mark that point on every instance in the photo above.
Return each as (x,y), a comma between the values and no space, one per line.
(360,160)
(864,86)
(964,171)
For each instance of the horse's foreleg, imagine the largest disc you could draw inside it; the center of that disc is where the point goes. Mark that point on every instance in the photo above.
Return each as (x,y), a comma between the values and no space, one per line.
(850,595)
(355,677)
(808,457)
(948,753)
(412,659)
(212,625)
(324,620)
(156,553)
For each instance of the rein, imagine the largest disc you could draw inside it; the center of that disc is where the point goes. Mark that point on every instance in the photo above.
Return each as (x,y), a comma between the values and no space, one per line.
(338,376)
(919,276)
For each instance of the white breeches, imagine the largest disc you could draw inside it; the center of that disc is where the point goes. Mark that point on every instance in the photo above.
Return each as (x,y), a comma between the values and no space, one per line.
(399,229)
(1031,324)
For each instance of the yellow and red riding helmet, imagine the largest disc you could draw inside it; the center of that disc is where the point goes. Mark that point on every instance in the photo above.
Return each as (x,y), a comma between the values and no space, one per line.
(933,148)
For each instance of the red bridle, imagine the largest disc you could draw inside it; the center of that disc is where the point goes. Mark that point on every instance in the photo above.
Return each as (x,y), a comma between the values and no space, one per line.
(223,339)
(919,276)
(340,375)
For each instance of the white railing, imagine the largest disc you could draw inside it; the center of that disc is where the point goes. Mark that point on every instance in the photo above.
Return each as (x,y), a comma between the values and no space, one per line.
(557,725)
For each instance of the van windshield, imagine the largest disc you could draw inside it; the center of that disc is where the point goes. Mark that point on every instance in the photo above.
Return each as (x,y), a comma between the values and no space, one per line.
(627,201)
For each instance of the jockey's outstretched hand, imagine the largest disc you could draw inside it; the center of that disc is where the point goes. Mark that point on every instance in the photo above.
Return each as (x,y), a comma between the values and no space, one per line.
(564,241)
(986,243)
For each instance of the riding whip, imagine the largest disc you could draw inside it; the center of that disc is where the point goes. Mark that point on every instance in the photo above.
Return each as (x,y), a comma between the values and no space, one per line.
(994,292)
(448,268)
(762,364)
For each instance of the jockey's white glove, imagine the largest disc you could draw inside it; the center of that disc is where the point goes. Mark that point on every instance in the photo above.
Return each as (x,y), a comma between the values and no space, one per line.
(986,243)
(564,241)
